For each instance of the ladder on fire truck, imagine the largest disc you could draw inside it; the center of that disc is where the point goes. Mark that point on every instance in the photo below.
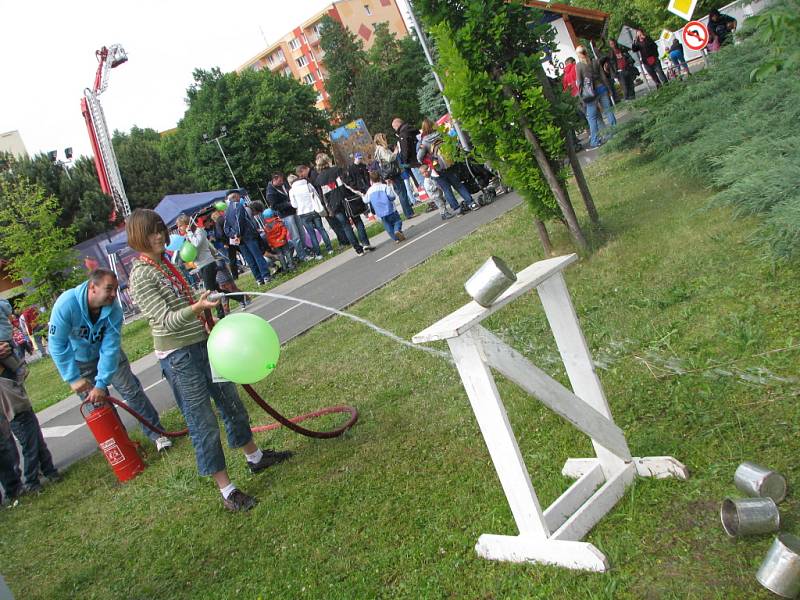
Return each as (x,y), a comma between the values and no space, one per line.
(104,158)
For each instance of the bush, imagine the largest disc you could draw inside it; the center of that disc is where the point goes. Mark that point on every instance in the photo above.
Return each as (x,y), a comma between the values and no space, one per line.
(737,135)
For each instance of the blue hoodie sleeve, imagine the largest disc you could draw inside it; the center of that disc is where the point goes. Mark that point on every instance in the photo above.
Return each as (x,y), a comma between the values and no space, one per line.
(58,342)
(109,348)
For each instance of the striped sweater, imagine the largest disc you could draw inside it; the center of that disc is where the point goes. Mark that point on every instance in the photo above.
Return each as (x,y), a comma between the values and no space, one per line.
(172,322)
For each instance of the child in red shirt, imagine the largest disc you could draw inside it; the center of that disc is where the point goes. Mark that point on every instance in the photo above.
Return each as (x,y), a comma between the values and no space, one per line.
(277,237)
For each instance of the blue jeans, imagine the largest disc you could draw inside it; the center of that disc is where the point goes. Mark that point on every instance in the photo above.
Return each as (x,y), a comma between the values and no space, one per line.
(594,119)
(129,387)
(678,60)
(34,449)
(285,255)
(190,375)
(9,461)
(255,259)
(348,231)
(313,223)
(400,190)
(447,181)
(392,223)
(293,225)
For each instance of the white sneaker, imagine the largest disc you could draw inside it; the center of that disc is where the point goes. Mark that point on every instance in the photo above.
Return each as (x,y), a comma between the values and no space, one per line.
(163,443)
(318,257)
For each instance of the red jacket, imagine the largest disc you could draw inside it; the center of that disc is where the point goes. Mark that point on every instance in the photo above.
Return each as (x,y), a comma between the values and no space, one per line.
(569,80)
(276,232)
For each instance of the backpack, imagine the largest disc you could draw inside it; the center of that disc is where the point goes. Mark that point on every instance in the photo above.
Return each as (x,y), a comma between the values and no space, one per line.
(389,169)
(277,234)
(434,157)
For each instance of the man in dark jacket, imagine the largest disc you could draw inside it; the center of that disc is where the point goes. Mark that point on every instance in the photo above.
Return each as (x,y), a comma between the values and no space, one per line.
(407,138)
(358,173)
(334,184)
(621,66)
(720,25)
(648,54)
(278,200)
(242,230)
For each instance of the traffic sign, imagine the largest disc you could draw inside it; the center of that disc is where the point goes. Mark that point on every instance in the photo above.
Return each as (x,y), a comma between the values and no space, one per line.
(682,8)
(695,35)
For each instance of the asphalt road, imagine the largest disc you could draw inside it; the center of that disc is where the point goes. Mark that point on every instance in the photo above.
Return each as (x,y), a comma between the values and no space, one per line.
(338,283)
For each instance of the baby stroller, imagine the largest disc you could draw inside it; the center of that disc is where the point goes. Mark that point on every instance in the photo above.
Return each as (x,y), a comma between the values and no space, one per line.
(480,179)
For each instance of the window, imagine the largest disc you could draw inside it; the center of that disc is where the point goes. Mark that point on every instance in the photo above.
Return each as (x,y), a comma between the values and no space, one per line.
(318,29)
(320,98)
(302,61)
(366,8)
(309,79)
(294,44)
(275,58)
(287,71)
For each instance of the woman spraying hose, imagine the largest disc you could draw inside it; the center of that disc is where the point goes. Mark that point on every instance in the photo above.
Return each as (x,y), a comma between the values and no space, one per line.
(178,326)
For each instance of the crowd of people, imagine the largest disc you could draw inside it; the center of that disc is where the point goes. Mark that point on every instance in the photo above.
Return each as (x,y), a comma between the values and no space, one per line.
(591,80)
(85,329)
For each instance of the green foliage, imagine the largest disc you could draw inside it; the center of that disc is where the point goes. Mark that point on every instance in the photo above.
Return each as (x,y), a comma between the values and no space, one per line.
(485,47)
(38,250)
(778,29)
(81,201)
(272,123)
(376,85)
(148,172)
(431,101)
(734,133)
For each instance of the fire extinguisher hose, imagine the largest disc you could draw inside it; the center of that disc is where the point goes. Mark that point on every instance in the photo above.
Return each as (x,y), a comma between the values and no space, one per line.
(290,423)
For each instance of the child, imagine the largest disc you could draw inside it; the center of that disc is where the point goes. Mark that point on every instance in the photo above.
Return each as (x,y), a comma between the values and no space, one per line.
(277,237)
(13,367)
(381,197)
(434,191)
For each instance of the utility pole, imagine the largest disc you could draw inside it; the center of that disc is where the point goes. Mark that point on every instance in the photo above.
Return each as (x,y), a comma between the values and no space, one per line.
(223,132)
(423,40)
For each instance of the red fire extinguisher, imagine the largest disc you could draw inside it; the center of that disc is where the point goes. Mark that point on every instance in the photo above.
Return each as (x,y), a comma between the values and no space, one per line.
(111,436)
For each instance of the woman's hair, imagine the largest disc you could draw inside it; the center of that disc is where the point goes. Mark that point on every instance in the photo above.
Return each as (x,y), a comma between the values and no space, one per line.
(427,127)
(583,56)
(257,207)
(301,170)
(380,140)
(291,178)
(374,176)
(323,161)
(182,219)
(143,223)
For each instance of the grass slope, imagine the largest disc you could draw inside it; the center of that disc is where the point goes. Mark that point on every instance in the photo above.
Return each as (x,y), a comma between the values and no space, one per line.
(682,319)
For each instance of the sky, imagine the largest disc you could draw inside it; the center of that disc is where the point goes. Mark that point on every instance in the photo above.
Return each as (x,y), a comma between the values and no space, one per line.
(47,58)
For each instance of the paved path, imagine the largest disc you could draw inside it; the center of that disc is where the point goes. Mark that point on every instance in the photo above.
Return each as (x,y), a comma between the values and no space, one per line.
(338,282)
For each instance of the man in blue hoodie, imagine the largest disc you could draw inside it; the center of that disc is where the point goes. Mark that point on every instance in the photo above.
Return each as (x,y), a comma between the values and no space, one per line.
(84,341)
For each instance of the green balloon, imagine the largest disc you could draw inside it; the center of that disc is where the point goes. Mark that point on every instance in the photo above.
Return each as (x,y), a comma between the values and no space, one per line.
(188,252)
(243,348)
(221,206)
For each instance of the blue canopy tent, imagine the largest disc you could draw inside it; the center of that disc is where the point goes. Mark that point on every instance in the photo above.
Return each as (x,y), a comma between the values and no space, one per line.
(171,207)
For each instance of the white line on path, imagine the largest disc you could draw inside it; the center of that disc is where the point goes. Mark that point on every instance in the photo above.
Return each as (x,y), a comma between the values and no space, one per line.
(409,242)
(278,316)
(60,430)
(152,385)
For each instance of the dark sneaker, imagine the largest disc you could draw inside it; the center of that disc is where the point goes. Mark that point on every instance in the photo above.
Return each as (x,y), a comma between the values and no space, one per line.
(360,251)
(238,501)
(369,248)
(54,477)
(270,458)
(446,216)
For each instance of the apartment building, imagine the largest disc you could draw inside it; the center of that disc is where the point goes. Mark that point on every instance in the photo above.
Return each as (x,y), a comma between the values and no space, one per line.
(298,54)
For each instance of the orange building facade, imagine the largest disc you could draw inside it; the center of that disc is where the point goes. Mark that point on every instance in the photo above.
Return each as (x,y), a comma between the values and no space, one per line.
(298,54)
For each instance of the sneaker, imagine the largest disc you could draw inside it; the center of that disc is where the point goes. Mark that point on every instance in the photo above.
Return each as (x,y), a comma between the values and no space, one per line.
(308,258)
(163,443)
(330,252)
(32,488)
(319,256)
(401,237)
(259,282)
(238,501)
(369,248)
(462,211)
(446,216)
(54,477)
(474,206)
(360,251)
(270,458)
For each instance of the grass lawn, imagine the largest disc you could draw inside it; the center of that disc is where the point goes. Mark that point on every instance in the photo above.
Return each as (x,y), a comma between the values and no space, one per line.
(45,387)
(685,321)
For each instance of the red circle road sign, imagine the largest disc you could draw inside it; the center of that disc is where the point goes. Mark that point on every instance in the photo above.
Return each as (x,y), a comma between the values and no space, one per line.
(695,35)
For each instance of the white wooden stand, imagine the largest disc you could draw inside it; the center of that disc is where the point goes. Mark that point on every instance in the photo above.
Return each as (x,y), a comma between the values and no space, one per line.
(551,536)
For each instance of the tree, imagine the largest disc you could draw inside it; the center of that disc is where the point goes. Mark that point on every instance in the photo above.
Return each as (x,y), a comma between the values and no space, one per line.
(148,172)
(431,101)
(376,85)
(345,61)
(38,251)
(272,124)
(489,58)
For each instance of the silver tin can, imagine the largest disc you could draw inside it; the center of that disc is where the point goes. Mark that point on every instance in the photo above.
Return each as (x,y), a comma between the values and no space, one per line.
(759,482)
(749,516)
(780,571)
(489,282)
